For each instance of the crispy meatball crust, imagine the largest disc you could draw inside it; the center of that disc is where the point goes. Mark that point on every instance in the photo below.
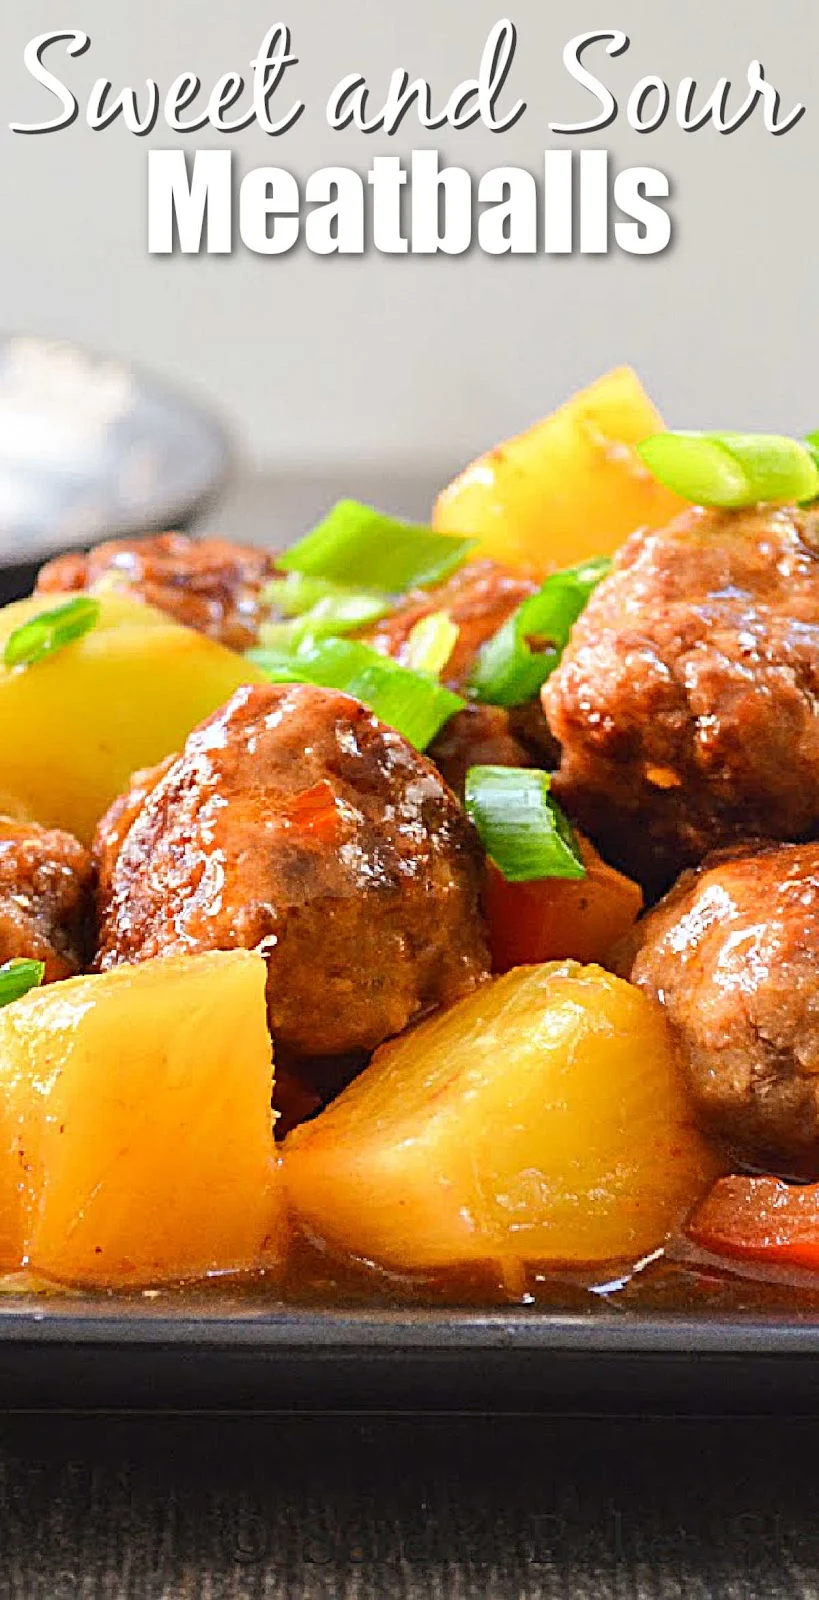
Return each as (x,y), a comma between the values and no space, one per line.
(45,897)
(687,701)
(295,822)
(207,584)
(733,955)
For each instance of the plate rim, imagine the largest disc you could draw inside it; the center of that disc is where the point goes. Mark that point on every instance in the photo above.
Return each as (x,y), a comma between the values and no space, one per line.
(336,1331)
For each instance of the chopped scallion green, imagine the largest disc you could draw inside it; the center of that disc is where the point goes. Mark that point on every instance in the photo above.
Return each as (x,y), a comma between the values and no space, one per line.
(357,545)
(297,595)
(732,470)
(431,643)
(522,828)
(411,702)
(328,618)
(812,442)
(517,660)
(41,636)
(17,977)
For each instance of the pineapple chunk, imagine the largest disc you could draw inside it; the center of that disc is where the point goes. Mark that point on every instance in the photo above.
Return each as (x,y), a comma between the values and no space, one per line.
(542,1119)
(74,726)
(136,1113)
(571,487)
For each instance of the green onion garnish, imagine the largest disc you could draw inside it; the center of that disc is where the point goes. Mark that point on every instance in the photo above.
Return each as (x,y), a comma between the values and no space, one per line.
(298,595)
(316,609)
(326,619)
(356,545)
(522,828)
(41,636)
(513,664)
(279,666)
(732,470)
(430,644)
(17,977)
(412,703)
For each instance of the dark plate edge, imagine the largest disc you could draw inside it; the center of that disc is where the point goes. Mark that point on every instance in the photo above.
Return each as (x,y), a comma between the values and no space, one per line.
(319,1333)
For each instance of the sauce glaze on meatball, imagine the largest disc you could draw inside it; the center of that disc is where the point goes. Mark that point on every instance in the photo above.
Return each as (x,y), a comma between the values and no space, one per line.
(295,822)
(687,700)
(476,736)
(732,953)
(479,599)
(207,584)
(45,897)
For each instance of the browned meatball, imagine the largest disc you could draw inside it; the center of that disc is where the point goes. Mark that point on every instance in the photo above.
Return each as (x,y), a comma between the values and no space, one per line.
(295,823)
(733,955)
(45,897)
(687,701)
(207,584)
(477,735)
(528,726)
(479,599)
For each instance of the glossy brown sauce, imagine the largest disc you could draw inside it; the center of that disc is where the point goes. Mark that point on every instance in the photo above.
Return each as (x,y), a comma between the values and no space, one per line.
(682,1281)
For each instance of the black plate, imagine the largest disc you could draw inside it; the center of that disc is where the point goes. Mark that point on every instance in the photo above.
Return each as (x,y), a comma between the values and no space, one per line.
(131,1355)
(748,1349)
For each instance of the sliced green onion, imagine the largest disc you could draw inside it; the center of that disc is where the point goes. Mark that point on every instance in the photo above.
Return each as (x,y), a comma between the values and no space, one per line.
(523,830)
(41,636)
(412,703)
(316,609)
(430,644)
(17,977)
(357,545)
(732,470)
(326,619)
(297,595)
(812,442)
(513,664)
(415,706)
(281,666)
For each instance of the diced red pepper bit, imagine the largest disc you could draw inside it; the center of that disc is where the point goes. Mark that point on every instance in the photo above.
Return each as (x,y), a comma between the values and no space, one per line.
(314,811)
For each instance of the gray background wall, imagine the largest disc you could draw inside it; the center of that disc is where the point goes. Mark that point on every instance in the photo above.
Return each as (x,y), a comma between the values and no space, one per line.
(425,360)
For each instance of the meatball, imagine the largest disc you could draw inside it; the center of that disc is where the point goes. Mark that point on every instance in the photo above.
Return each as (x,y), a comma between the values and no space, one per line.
(687,700)
(207,584)
(295,823)
(45,897)
(733,955)
(479,598)
(477,735)
(528,726)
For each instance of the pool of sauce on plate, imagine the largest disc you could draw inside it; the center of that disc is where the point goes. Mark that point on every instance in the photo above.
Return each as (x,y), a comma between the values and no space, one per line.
(683,1281)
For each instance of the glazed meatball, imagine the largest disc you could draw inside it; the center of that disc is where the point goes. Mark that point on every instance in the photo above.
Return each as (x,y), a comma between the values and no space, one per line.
(479,599)
(295,823)
(687,701)
(733,955)
(45,897)
(476,736)
(208,584)
(529,728)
